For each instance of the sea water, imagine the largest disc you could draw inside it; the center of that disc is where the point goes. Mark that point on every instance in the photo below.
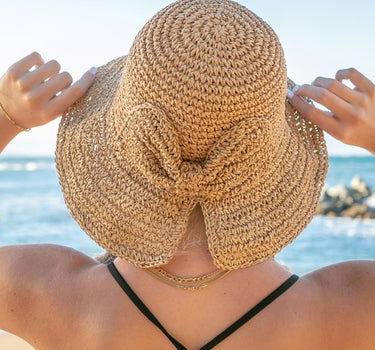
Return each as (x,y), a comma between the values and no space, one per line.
(32,210)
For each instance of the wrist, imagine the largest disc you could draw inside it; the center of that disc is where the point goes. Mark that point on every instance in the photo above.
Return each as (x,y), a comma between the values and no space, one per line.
(11,120)
(7,131)
(6,123)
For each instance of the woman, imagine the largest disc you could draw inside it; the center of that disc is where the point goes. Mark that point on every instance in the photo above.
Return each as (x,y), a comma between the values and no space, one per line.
(183,163)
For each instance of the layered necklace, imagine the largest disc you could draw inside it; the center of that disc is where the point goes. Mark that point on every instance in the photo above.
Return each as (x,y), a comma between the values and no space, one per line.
(186,283)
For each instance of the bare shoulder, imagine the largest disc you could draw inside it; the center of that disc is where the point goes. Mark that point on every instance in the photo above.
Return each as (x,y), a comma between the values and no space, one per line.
(349,283)
(28,275)
(357,276)
(347,292)
(38,260)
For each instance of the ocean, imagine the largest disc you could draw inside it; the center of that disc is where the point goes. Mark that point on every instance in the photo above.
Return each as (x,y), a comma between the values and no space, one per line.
(32,210)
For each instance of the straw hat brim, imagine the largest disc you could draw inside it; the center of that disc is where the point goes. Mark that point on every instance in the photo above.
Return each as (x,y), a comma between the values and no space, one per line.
(127,217)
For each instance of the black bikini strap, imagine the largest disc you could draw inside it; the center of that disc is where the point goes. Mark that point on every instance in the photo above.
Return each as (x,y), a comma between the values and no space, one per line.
(251,313)
(226,333)
(140,305)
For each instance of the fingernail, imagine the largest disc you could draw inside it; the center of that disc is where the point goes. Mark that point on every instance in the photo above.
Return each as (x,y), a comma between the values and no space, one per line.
(93,70)
(289,93)
(296,88)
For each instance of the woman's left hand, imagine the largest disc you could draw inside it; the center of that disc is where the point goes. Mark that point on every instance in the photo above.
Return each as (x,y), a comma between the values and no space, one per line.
(33,93)
(35,97)
(351,112)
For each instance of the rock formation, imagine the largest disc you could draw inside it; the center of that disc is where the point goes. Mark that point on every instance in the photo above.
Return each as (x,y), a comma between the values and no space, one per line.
(355,201)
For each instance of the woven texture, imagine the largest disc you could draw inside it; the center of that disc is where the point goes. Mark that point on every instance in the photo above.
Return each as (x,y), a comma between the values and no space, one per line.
(196,113)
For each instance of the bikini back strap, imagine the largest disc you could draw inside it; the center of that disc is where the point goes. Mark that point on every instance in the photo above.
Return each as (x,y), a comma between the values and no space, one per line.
(224,334)
(140,305)
(251,313)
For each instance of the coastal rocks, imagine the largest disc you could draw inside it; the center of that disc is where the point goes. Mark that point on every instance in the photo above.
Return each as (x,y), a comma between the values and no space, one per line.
(359,188)
(355,201)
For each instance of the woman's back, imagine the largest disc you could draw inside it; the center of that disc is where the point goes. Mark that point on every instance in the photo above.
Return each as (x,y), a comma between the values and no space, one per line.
(78,305)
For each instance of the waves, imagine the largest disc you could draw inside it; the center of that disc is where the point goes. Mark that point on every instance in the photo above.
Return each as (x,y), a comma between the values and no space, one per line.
(32,210)
(345,227)
(26,164)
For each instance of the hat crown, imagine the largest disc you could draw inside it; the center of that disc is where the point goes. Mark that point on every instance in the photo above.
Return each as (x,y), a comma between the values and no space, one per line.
(209,64)
(195,113)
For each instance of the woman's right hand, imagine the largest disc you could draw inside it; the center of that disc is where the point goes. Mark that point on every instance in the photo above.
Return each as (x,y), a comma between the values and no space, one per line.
(351,115)
(33,97)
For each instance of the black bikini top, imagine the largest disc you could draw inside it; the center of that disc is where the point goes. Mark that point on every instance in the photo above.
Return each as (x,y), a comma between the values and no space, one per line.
(224,334)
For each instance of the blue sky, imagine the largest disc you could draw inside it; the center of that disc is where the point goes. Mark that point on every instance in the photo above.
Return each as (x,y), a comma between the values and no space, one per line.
(319,37)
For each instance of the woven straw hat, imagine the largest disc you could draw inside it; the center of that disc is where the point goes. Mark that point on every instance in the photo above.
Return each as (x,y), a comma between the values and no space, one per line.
(196,113)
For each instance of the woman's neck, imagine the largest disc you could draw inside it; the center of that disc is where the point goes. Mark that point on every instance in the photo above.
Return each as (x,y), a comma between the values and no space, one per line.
(191,262)
(193,257)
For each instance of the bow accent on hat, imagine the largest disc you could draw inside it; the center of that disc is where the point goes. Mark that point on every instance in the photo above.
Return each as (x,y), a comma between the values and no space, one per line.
(150,144)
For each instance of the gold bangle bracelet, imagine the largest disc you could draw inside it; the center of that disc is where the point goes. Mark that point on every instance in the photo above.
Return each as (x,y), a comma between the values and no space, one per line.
(12,121)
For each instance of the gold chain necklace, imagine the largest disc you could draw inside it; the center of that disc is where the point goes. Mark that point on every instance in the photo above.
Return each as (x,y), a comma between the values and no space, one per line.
(186,279)
(187,283)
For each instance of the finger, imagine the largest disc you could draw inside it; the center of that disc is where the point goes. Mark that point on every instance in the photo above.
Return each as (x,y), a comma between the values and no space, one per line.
(339,89)
(25,64)
(339,107)
(60,103)
(40,74)
(54,85)
(358,79)
(318,117)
